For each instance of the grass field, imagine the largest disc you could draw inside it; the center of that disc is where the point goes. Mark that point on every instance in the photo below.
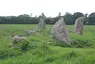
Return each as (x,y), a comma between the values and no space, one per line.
(44,49)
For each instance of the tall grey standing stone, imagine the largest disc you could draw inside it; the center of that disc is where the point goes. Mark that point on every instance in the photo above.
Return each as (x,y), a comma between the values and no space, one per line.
(59,15)
(41,24)
(60,32)
(79,25)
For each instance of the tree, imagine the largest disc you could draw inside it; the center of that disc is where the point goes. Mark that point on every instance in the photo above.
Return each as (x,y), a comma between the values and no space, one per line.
(77,15)
(68,18)
(91,18)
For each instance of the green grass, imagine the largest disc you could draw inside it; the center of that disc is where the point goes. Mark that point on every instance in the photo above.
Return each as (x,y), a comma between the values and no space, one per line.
(44,49)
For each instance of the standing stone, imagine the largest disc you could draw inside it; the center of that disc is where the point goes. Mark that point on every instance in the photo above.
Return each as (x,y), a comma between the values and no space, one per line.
(30,32)
(59,15)
(60,32)
(79,25)
(41,24)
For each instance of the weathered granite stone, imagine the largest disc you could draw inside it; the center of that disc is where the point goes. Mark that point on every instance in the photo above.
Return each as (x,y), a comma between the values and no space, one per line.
(60,32)
(79,25)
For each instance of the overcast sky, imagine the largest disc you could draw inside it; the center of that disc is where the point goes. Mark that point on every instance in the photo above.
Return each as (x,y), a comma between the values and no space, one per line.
(49,7)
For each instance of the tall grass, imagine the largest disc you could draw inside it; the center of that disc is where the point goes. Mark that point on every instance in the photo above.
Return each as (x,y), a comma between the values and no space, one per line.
(44,50)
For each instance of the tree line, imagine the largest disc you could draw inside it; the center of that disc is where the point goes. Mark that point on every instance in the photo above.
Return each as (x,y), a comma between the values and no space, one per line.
(27,19)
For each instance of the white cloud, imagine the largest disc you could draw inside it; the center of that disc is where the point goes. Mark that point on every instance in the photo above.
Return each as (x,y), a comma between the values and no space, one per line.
(49,7)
